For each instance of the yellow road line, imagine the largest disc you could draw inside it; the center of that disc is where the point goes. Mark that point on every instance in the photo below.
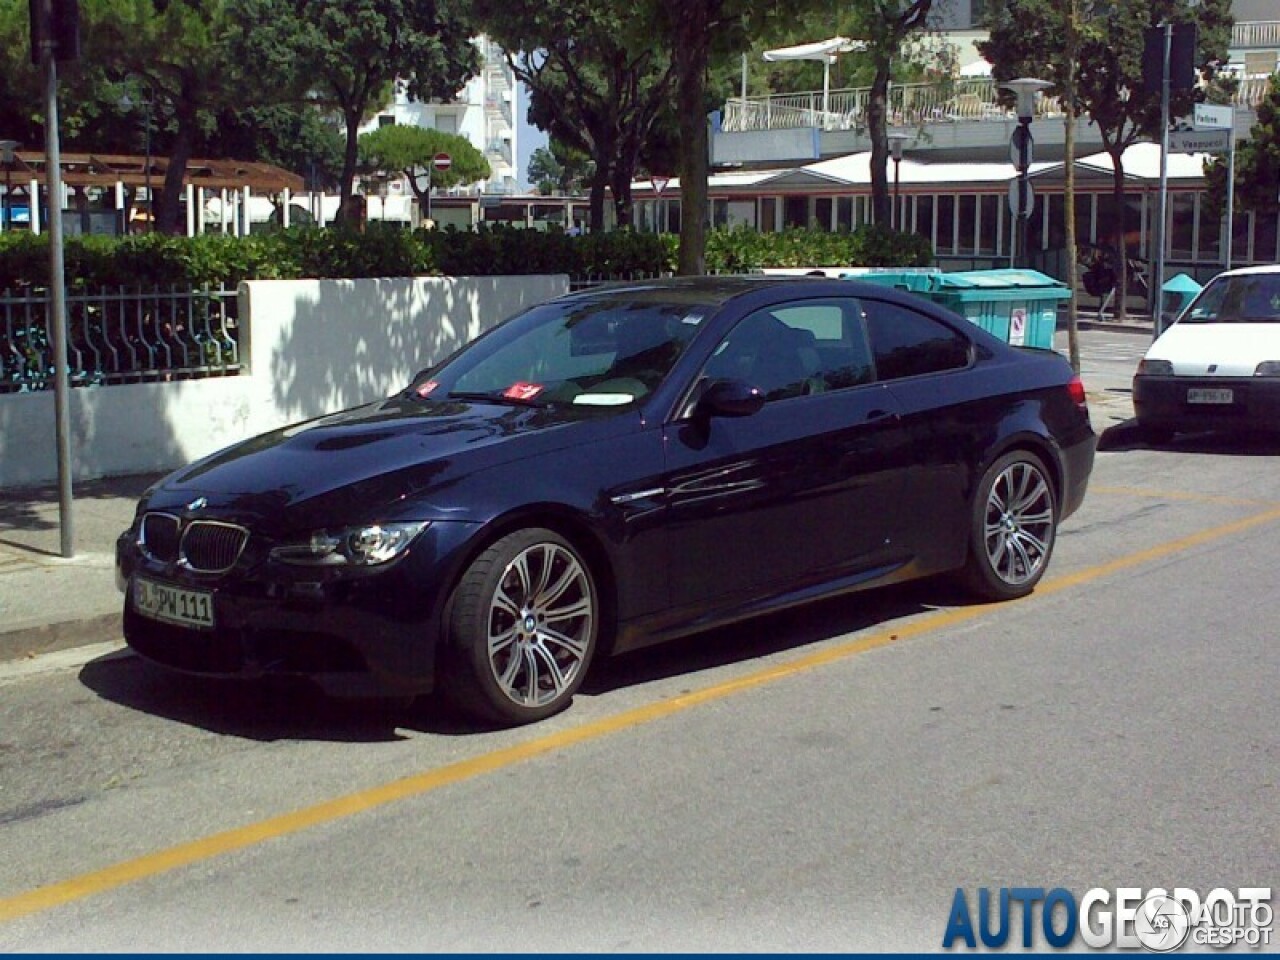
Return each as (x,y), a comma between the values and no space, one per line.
(100,881)
(1179,495)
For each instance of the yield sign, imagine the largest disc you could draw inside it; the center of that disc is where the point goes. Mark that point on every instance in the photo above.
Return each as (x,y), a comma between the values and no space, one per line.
(659,184)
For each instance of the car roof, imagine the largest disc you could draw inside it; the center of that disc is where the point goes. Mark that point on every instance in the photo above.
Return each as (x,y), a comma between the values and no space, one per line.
(1250,271)
(708,290)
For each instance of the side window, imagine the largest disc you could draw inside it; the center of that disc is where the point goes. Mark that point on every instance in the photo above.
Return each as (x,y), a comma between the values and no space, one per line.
(908,344)
(796,349)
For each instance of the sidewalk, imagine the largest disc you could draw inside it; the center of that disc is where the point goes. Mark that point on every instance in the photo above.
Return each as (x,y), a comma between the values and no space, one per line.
(50,603)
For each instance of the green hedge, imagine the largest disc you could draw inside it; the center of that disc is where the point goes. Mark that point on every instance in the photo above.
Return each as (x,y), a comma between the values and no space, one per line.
(380,251)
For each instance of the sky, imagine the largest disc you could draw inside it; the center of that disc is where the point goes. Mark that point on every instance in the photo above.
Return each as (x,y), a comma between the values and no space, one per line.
(528,137)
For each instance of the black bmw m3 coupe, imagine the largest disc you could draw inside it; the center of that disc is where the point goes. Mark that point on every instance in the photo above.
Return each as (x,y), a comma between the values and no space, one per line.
(607,470)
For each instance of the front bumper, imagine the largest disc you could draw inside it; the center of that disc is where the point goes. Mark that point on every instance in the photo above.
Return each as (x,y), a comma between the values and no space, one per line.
(1166,402)
(356,632)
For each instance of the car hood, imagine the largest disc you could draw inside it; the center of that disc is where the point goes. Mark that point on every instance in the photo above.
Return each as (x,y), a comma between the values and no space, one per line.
(1233,349)
(356,463)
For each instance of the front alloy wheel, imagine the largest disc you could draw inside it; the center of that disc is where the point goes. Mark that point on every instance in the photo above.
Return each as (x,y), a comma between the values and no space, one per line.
(1014,525)
(522,628)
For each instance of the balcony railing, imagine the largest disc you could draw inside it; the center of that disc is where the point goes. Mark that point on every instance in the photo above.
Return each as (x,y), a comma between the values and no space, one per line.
(1264,34)
(120,336)
(909,105)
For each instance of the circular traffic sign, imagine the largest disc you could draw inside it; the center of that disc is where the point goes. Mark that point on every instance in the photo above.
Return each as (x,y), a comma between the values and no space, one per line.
(1022,198)
(441,161)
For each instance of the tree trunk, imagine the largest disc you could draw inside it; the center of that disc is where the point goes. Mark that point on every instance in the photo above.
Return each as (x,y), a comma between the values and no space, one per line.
(621,199)
(691,54)
(350,156)
(878,132)
(595,206)
(167,211)
(1121,253)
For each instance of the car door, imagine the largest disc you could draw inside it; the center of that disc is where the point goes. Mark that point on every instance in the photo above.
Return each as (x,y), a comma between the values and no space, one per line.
(801,492)
(929,368)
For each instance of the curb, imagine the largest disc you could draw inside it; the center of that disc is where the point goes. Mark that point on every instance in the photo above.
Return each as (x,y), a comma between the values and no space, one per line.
(1107,325)
(47,638)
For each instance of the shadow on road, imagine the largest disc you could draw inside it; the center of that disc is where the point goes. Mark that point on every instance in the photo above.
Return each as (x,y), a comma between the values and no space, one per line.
(274,710)
(1248,443)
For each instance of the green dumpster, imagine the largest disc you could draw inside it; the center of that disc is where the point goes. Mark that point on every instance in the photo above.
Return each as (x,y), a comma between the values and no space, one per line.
(912,279)
(1018,306)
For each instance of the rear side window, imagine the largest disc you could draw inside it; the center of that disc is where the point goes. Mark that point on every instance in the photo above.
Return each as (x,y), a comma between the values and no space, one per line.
(908,344)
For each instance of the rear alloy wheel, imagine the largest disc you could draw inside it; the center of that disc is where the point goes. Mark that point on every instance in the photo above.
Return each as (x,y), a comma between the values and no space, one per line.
(1013,527)
(522,628)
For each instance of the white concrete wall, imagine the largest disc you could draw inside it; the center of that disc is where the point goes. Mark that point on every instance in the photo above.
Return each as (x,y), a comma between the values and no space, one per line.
(312,347)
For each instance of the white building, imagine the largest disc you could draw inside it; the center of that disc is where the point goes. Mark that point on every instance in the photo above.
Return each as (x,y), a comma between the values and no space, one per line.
(484,112)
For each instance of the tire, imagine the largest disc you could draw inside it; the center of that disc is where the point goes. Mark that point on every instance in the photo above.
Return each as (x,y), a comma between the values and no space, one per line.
(1013,527)
(521,629)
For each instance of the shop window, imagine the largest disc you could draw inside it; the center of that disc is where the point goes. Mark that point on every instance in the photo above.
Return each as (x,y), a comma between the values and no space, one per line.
(946,224)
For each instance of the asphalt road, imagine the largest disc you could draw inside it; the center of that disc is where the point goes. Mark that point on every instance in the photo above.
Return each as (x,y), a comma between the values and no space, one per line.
(822,781)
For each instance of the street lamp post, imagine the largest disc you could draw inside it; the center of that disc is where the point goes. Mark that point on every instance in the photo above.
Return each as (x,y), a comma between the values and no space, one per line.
(127,102)
(7,147)
(1021,198)
(896,143)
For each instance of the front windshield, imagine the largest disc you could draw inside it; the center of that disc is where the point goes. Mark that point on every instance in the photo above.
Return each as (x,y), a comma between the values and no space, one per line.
(601,352)
(1247,298)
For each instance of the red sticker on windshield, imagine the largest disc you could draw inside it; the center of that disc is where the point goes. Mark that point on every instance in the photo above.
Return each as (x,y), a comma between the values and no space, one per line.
(427,387)
(522,391)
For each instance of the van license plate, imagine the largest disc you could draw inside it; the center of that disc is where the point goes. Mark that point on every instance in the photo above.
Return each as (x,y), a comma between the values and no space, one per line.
(1201,395)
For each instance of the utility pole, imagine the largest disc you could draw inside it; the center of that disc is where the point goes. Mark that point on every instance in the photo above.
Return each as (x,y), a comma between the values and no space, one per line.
(55,35)
(1069,188)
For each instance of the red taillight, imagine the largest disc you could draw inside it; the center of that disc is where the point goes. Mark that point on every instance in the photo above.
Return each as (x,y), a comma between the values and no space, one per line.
(1075,389)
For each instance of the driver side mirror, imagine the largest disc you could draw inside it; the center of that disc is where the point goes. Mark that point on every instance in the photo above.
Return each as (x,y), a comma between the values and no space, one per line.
(730,398)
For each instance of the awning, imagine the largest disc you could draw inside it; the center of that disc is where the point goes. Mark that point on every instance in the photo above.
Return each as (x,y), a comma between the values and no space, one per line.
(821,50)
(824,50)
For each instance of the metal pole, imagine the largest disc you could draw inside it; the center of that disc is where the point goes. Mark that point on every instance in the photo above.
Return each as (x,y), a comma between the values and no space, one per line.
(1231,190)
(146,139)
(897,195)
(1157,289)
(58,304)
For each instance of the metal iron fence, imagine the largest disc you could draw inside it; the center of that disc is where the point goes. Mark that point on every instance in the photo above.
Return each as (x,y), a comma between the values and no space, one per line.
(120,336)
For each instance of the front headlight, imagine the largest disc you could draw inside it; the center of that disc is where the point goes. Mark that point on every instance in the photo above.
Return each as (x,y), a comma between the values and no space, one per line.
(1155,368)
(1267,368)
(353,546)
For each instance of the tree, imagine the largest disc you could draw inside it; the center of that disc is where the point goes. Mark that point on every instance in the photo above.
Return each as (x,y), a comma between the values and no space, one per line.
(350,55)
(885,25)
(409,151)
(597,88)
(176,55)
(1257,184)
(559,169)
(1028,39)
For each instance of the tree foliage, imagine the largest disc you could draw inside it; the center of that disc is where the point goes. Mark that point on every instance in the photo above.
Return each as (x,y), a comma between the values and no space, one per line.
(1257,185)
(405,150)
(559,169)
(1028,39)
(596,87)
(348,55)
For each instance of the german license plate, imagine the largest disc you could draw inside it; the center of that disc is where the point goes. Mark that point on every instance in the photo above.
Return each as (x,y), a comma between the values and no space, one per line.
(1203,395)
(159,601)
